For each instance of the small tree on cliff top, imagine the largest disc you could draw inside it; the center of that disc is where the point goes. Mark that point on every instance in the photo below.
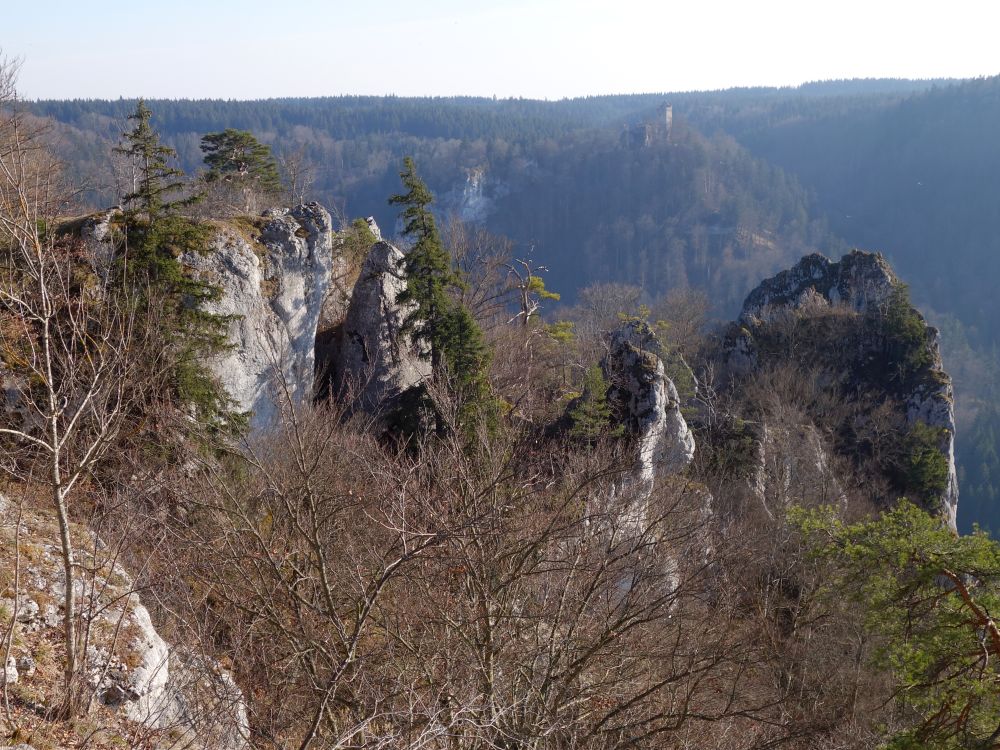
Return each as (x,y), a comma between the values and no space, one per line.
(157,235)
(236,159)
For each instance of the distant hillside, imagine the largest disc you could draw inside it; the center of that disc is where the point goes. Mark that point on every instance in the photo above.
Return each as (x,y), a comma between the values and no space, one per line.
(753,179)
(916,176)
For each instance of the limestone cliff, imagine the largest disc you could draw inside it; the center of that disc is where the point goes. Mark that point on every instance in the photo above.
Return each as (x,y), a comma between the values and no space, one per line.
(274,275)
(135,675)
(647,402)
(852,321)
(375,361)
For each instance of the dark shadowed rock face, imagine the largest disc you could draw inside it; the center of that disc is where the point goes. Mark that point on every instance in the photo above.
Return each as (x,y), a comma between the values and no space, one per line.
(838,310)
(375,361)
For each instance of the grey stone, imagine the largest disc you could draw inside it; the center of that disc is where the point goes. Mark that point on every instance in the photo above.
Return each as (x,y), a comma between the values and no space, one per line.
(26,665)
(376,360)
(28,611)
(273,288)
(10,675)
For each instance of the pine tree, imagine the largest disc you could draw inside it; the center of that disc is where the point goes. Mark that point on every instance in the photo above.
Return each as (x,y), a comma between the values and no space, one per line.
(237,159)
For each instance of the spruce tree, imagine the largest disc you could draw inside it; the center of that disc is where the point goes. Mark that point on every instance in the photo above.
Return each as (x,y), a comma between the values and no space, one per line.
(590,416)
(156,235)
(454,340)
(438,319)
(154,180)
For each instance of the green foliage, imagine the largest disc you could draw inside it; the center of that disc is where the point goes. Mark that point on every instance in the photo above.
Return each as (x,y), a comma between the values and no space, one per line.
(427,265)
(156,181)
(561,331)
(155,236)
(458,350)
(238,158)
(906,333)
(979,471)
(357,241)
(536,286)
(924,468)
(590,416)
(730,448)
(927,595)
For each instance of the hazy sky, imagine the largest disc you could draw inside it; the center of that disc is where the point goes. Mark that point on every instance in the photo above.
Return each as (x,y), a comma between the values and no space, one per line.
(533,48)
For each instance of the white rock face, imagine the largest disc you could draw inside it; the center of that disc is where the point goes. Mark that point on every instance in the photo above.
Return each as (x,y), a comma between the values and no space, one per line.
(148,680)
(172,688)
(933,403)
(9,676)
(375,360)
(793,466)
(274,288)
(648,400)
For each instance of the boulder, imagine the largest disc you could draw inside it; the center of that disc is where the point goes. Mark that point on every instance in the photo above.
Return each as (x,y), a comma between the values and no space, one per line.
(9,676)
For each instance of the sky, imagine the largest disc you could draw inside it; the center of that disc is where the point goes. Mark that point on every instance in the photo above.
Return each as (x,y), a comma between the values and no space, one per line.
(546,49)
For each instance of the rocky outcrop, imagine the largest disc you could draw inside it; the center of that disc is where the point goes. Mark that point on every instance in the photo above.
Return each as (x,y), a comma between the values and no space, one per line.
(854,298)
(375,361)
(129,667)
(932,401)
(793,465)
(273,279)
(860,281)
(648,404)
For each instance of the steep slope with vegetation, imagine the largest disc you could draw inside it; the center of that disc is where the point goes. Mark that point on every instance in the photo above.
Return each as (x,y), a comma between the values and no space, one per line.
(564,537)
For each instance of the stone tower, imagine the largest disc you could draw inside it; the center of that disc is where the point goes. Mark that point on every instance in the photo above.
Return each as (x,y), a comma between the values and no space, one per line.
(667,120)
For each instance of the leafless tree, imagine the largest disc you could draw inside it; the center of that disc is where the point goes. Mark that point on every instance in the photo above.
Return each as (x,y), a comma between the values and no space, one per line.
(299,173)
(73,346)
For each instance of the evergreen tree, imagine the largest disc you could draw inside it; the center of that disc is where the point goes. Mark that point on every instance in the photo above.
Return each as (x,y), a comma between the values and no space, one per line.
(156,235)
(455,342)
(590,415)
(153,179)
(453,338)
(928,598)
(237,159)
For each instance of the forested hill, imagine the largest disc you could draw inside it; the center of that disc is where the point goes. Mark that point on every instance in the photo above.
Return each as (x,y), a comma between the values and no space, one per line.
(691,212)
(916,176)
(750,180)
(917,179)
(558,176)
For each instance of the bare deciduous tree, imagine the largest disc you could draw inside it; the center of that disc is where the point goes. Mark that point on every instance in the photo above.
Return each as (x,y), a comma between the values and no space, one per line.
(73,348)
